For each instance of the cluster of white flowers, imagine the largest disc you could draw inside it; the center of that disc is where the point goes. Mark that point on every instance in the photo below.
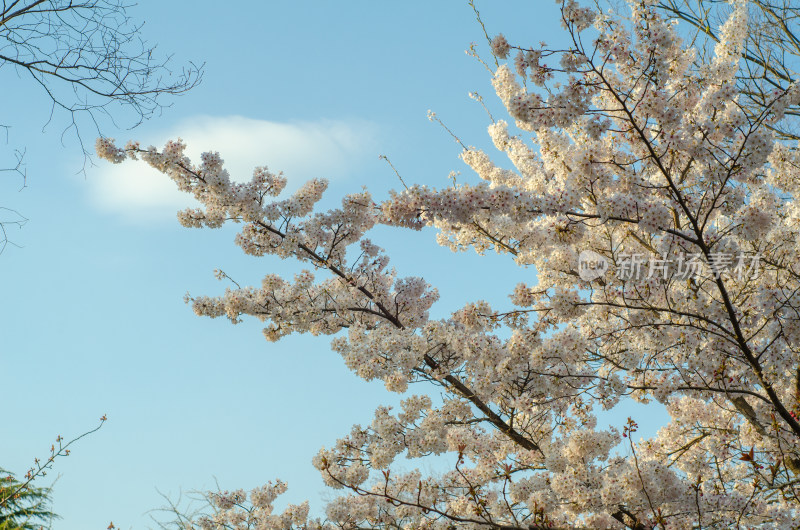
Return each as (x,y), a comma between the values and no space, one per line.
(636,151)
(500,47)
(238,510)
(577,17)
(106,148)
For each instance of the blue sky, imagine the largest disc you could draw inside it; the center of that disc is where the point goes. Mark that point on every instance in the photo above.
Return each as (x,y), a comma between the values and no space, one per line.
(92,315)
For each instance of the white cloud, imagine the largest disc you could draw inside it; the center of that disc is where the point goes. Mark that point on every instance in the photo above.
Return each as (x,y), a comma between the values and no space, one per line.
(302,150)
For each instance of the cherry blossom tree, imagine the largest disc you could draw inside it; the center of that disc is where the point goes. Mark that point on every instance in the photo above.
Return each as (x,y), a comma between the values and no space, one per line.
(660,213)
(770,51)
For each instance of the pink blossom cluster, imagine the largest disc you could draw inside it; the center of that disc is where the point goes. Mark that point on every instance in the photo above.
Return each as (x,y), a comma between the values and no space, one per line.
(633,147)
(239,510)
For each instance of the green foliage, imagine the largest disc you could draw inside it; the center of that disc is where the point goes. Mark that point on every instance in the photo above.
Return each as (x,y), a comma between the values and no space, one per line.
(23,506)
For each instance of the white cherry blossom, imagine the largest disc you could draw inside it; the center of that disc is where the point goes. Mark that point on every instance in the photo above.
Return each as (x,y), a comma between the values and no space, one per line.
(634,149)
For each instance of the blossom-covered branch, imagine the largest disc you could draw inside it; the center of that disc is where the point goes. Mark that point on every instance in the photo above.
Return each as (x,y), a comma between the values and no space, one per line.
(660,214)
